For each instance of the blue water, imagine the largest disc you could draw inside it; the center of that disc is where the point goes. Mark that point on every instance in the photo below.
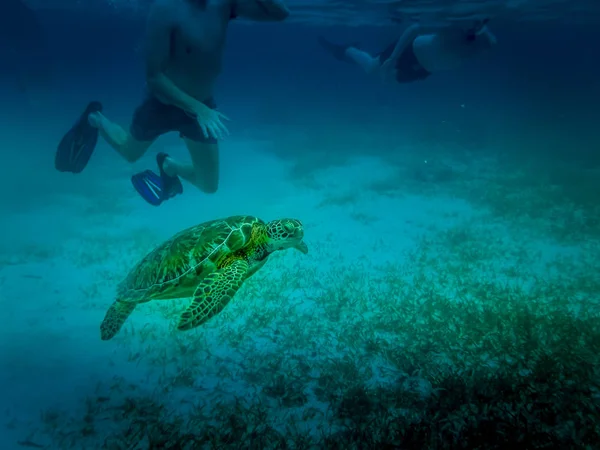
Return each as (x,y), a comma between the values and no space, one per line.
(452,224)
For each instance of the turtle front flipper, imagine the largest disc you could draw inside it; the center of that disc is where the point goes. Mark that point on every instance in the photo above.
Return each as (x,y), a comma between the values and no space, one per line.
(213,294)
(114,319)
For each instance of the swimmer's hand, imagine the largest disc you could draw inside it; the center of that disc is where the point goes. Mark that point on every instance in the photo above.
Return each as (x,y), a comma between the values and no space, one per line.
(210,122)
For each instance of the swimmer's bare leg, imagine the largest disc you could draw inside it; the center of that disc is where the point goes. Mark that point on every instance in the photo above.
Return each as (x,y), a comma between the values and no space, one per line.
(350,54)
(118,138)
(363,59)
(204,170)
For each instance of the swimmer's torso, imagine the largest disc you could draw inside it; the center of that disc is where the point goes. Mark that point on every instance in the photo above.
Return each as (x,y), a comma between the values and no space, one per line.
(196,44)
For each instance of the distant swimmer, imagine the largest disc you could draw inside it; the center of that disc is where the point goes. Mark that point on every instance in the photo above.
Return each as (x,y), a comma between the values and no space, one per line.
(185,40)
(419,52)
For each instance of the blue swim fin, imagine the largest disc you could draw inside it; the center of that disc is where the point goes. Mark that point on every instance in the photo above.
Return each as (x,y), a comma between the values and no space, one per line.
(154,188)
(76,147)
(149,186)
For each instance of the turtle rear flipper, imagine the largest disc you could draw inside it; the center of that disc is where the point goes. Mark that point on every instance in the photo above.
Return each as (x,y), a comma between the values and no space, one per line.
(213,294)
(114,319)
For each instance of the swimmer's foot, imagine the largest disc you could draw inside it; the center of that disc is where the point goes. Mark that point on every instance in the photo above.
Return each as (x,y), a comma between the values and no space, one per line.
(171,183)
(338,51)
(156,188)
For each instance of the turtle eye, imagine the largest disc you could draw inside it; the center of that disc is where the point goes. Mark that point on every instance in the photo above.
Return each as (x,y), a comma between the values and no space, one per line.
(288,227)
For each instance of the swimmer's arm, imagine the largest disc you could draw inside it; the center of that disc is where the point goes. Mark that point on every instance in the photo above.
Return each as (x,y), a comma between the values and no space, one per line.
(261,10)
(158,52)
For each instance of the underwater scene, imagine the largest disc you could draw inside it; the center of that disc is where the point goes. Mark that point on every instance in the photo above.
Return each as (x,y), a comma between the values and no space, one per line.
(299,224)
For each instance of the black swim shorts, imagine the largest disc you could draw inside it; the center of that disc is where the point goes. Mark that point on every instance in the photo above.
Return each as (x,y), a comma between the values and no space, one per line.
(153,119)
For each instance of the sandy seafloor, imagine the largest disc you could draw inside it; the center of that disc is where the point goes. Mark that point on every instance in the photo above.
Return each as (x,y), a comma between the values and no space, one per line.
(376,226)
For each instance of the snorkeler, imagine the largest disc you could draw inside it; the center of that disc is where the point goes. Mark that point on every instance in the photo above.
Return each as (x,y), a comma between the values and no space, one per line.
(185,40)
(418,53)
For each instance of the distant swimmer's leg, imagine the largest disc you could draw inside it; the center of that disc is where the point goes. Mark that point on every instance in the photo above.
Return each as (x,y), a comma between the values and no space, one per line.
(350,54)
(338,51)
(368,63)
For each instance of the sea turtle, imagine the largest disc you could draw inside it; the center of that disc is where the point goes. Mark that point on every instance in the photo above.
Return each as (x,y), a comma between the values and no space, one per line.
(208,262)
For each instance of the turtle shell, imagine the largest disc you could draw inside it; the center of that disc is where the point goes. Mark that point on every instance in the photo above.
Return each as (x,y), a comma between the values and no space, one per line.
(174,269)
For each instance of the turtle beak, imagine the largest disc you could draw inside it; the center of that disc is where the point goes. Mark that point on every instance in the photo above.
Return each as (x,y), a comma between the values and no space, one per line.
(302,247)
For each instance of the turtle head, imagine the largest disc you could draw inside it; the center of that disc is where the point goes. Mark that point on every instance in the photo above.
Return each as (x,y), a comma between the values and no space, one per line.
(286,233)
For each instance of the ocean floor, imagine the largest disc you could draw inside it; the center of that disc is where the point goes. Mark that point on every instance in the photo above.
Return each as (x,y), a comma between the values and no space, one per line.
(414,268)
